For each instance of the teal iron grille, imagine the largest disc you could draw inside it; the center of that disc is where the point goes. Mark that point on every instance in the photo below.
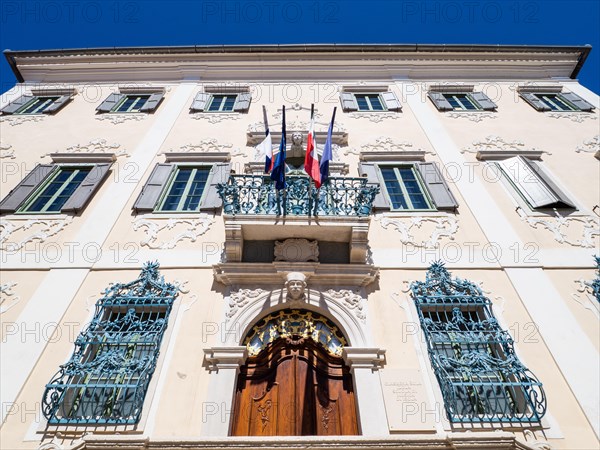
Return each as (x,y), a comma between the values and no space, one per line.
(106,379)
(481,378)
(595,284)
(256,194)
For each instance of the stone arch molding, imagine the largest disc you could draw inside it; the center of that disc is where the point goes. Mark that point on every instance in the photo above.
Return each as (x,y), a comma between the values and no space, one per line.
(346,307)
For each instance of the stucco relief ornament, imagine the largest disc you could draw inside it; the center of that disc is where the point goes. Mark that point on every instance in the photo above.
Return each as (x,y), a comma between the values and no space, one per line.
(383,144)
(190,229)
(351,300)
(497,143)
(116,119)
(29,230)
(213,118)
(6,151)
(8,299)
(375,116)
(94,146)
(295,283)
(576,116)
(444,227)
(297,250)
(590,146)
(590,227)
(590,291)
(473,116)
(18,119)
(240,298)
(535,443)
(208,145)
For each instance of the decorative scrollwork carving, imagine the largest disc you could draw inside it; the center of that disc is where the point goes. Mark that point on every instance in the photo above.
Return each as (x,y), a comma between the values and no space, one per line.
(6,151)
(445,227)
(29,230)
(590,146)
(208,145)
(383,144)
(351,300)
(241,298)
(8,299)
(473,116)
(496,143)
(16,119)
(296,250)
(213,118)
(192,228)
(116,119)
(94,146)
(375,117)
(577,116)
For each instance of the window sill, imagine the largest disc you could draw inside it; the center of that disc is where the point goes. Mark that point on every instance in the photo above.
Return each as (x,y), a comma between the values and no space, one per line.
(172,215)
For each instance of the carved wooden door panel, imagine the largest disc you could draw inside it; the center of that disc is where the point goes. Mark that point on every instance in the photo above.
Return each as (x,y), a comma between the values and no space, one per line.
(294,389)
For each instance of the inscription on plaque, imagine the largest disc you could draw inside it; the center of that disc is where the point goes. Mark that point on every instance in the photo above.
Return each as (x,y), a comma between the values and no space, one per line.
(406,401)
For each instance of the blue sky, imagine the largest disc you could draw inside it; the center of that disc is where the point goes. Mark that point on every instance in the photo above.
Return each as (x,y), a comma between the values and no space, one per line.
(32,25)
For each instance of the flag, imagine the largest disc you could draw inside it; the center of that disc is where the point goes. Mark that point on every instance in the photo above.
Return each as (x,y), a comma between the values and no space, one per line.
(266,147)
(327,152)
(278,172)
(311,160)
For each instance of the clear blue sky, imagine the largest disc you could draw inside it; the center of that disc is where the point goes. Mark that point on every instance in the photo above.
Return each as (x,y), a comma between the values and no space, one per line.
(32,25)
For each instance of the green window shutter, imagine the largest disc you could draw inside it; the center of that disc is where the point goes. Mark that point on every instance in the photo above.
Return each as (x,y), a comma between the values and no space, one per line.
(440,101)
(372,173)
(391,101)
(484,101)
(436,185)
(534,101)
(58,104)
(219,173)
(242,102)
(577,101)
(111,101)
(152,103)
(86,189)
(15,105)
(348,101)
(23,190)
(151,191)
(200,102)
(562,198)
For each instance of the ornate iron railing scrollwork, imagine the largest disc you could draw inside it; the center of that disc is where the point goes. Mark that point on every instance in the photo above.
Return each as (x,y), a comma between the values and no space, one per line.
(481,378)
(256,194)
(106,379)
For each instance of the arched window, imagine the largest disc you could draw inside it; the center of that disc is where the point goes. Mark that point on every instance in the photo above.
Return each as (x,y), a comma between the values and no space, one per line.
(480,375)
(295,382)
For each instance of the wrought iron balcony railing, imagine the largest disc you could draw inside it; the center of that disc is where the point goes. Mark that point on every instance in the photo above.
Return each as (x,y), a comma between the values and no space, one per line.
(256,194)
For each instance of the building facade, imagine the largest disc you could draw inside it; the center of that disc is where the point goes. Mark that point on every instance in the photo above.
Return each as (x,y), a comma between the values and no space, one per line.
(440,290)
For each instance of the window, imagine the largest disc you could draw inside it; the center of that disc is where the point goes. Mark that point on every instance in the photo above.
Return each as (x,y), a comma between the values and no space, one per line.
(55,193)
(107,377)
(481,378)
(554,100)
(56,188)
(137,102)
(367,101)
(182,187)
(221,102)
(406,186)
(38,104)
(533,184)
(461,101)
(184,192)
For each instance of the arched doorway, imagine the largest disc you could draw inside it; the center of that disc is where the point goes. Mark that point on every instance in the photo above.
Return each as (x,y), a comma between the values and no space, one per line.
(294,382)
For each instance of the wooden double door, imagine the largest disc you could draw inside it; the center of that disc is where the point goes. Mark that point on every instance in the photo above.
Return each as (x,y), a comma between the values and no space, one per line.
(294,389)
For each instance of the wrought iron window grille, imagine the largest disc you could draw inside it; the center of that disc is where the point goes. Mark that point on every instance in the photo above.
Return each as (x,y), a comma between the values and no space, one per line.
(481,378)
(106,379)
(256,194)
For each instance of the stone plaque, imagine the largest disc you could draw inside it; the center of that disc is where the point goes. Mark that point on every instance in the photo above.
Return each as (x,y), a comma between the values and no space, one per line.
(407,405)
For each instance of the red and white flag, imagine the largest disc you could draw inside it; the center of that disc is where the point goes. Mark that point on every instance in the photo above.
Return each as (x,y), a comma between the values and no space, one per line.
(311,160)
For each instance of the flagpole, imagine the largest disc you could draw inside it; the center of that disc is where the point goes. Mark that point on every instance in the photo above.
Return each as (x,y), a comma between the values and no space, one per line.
(312,112)
(265,120)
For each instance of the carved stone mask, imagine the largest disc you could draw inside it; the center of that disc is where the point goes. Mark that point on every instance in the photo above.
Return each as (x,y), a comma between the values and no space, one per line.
(296,285)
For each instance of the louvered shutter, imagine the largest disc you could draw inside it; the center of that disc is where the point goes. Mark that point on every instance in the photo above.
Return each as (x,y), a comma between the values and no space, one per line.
(242,102)
(484,101)
(440,101)
(561,197)
(200,102)
(146,201)
(348,101)
(58,104)
(219,174)
(370,170)
(111,101)
(577,101)
(534,101)
(436,185)
(152,103)
(86,189)
(391,101)
(15,105)
(21,192)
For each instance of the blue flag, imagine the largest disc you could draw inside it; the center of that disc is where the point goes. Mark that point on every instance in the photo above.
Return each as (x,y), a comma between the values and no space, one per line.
(327,152)
(278,172)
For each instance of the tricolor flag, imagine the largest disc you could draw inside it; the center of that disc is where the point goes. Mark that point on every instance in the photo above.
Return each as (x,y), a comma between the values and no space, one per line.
(266,146)
(278,172)
(327,152)
(311,160)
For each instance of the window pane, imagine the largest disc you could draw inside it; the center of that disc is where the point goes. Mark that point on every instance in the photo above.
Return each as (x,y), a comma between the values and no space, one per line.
(67,190)
(393,188)
(229,102)
(215,104)
(192,202)
(176,190)
(376,104)
(413,188)
(363,105)
(37,105)
(57,192)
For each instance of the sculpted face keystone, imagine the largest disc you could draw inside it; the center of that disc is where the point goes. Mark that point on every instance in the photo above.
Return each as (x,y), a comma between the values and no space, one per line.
(296,285)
